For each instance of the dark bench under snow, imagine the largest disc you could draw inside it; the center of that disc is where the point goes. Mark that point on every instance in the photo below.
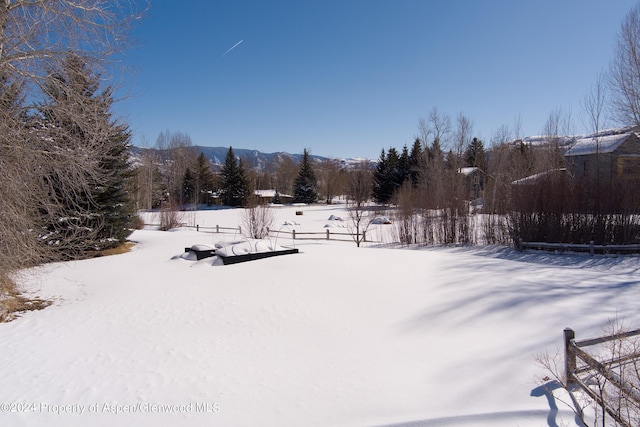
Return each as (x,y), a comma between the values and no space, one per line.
(201,251)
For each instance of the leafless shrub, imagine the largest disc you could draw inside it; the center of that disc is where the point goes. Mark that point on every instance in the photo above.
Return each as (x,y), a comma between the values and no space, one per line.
(170,215)
(429,220)
(359,186)
(553,379)
(406,222)
(256,221)
(617,358)
(553,208)
(495,229)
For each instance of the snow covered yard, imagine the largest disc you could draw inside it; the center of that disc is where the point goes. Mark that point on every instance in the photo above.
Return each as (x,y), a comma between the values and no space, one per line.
(333,336)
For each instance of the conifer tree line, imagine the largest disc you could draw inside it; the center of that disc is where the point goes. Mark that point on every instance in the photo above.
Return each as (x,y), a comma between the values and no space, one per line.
(65,175)
(177,176)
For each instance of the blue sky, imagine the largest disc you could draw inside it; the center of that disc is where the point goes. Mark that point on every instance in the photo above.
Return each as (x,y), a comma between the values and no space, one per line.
(346,78)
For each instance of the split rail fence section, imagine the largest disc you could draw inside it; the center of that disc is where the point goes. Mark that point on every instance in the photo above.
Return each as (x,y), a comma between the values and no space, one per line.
(613,383)
(591,247)
(293,234)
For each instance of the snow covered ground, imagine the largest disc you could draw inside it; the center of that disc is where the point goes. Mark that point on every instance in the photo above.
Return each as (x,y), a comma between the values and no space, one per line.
(332,336)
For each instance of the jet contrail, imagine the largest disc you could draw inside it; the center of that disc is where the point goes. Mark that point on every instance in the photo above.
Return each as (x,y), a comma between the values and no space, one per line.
(233,47)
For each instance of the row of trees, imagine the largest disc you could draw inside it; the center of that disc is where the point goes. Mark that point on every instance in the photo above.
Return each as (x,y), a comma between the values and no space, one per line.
(394,170)
(64,171)
(176,175)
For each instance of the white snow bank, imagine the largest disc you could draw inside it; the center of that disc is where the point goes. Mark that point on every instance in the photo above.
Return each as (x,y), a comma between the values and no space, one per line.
(338,335)
(381,220)
(246,247)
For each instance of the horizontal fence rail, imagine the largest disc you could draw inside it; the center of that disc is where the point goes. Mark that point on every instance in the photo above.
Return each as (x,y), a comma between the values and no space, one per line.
(575,247)
(213,229)
(295,235)
(574,352)
(318,235)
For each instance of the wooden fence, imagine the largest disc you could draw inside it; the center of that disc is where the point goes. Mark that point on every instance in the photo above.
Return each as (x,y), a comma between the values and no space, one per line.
(591,247)
(575,375)
(318,235)
(293,234)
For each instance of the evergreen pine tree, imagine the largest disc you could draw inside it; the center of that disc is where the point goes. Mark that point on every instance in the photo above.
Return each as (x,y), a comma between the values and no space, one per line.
(451,161)
(404,168)
(305,187)
(244,190)
(100,213)
(113,200)
(189,187)
(388,176)
(379,180)
(436,154)
(234,189)
(203,179)
(474,155)
(416,161)
(394,176)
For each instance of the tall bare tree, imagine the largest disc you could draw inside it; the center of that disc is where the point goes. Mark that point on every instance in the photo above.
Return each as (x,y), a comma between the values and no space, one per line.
(440,125)
(594,105)
(557,128)
(35,35)
(284,173)
(360,185)
(624,71)
(178,154)
(330,179)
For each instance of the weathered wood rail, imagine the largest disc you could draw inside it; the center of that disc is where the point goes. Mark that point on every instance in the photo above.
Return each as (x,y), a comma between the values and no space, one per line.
(574,352)
(295,235)
(592,248)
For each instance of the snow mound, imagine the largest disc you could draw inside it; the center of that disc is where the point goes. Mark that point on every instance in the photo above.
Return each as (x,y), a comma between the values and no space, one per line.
(335,218)
(201,248)
(244,247)
(334,225)
(381,220)
(189,256)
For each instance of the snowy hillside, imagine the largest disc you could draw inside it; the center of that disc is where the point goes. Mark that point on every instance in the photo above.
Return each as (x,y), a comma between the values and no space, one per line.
(253,159)
(334,335)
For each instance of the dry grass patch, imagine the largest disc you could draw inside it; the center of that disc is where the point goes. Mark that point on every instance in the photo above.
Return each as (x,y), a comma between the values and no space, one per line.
(12,303)
(121,249)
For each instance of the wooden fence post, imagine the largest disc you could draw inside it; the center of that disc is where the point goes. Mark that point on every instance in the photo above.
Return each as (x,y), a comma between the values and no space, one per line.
(217,229)
(592,250)
(293,234)
(327,234)
(197,227)
(569,357)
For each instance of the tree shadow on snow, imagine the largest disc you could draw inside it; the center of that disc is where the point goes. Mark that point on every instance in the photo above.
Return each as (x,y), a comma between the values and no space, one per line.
(546,390)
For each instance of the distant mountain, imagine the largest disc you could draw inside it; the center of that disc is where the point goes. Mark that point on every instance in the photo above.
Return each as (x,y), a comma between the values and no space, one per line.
(252,159)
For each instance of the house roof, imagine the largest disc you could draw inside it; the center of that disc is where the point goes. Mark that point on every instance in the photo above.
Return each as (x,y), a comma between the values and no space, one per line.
(602,142)
(269,194)
(532,179)
(466,171)
(543,140)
